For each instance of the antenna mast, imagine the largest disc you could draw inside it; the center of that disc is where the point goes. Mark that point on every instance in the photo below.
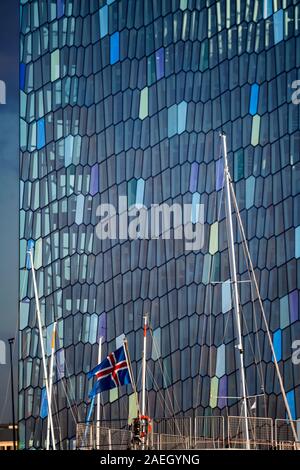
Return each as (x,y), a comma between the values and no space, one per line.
(236,302)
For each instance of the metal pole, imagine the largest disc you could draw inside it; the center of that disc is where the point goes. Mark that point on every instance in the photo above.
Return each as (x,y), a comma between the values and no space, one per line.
(11,342)
(236,302)
(51,384)
(144,367)
(42,345)
(98,401)
(133,384)
(145,438)
(286,403)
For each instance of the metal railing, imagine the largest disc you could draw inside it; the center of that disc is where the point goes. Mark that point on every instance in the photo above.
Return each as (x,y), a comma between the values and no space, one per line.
(209,432)
(284,438)
(260,432)
(202,432)
(181,426)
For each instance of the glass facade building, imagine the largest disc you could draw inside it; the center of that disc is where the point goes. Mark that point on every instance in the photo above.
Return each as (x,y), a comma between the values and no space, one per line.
(127,97)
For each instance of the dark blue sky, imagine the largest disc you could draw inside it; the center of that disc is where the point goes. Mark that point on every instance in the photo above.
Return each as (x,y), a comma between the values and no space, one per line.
(9,187)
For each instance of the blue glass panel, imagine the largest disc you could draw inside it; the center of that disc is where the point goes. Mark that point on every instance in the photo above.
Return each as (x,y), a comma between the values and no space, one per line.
(114,48)
(268,8)
(277,345)
(160,63)
(109,2)
(60,8)
(278,26)
(30,246)
(102,327)
(103,13)
(22,76)
(182,111)
(254,99)
(294,305)
(41,139)
(94,185)
(291,401)
(140,188)
(195,208)
(194,177)
(172,120)
(44,404)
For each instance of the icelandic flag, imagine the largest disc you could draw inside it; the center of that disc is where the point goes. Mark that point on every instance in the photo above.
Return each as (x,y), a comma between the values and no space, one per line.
(110,373)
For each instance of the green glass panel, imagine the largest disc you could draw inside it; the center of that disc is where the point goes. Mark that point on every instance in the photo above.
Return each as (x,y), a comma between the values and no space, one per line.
(132,405)
(213,392)
(213,241)
(144,103)
(113,394)
(55,60)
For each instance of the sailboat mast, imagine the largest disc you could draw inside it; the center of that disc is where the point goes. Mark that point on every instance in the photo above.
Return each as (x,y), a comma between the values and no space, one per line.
(144,367)
(42,344)
(98,400)
(51,385)
(234,281)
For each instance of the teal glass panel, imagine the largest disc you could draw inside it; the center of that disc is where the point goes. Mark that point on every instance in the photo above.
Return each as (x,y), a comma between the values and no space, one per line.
(238,165)
(140,188)
(69,143)
(278,26)
(41,138)
(172,120)
(226,297)
(284,312)
(182,112)
(250,191)
(268,8)
(195,208)
(103,14)
(131,192)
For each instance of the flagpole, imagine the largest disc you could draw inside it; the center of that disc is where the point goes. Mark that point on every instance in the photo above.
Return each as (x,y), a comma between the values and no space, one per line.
(143,419)
(98,401)
(127,355)
(42,344)
(51,384)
